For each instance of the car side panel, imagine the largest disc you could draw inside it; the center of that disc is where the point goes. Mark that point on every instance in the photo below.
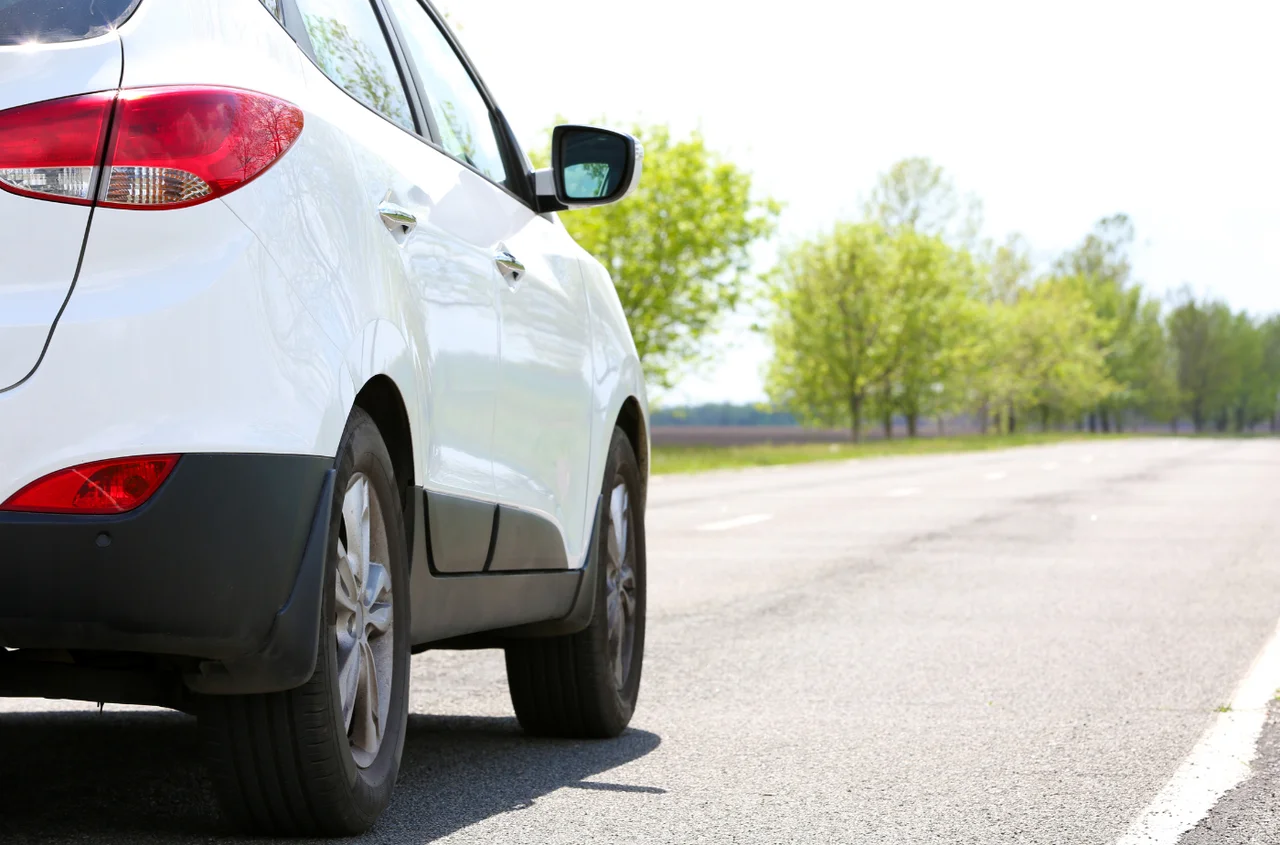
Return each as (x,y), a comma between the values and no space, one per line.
(616,372)
(542,432)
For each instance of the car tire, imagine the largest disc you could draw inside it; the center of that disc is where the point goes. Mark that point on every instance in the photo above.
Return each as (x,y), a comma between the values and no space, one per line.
(322,759)
(586,685)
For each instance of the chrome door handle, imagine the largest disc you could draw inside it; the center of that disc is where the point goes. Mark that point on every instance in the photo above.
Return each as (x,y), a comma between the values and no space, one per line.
(510,267)
(397,218)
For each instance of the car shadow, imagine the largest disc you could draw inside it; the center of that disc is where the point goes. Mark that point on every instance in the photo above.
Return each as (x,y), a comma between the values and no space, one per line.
(137,777)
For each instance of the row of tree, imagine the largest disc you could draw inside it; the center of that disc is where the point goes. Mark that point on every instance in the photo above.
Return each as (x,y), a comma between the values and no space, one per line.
(897,316)
(907,314)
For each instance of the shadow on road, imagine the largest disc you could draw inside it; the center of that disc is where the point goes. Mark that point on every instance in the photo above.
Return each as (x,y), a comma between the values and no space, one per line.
(137,777)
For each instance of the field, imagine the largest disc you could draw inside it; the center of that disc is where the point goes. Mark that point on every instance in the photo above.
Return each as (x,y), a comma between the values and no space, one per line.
(676,458)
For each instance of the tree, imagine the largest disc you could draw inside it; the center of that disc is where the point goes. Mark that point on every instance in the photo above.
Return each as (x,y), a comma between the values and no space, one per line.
(1102,262)
(1200,333)
(917,194)
(936,286)
(679,249)
(838,316)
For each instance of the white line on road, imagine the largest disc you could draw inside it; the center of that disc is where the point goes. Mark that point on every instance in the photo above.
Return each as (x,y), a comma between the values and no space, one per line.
(1217,763)
(996,476)
(902,492)
(736,522)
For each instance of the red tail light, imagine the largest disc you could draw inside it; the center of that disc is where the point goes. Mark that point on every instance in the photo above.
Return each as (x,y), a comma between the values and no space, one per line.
(103,487)
(168,147)
(52,149)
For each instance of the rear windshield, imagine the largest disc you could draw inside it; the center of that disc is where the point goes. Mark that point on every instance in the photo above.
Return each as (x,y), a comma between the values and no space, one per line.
(24,21)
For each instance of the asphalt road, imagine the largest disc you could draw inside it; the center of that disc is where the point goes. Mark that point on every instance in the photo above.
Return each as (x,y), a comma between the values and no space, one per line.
(1017,646)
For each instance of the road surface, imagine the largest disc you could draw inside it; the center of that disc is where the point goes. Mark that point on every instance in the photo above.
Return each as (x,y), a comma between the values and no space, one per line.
(1031,646)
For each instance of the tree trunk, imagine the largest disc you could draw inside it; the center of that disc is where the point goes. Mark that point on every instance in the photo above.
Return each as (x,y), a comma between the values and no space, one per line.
(912,419)
(888,425)
(1240,419)
(1013,420)
(985,413)
(1044,417)
(1173,425)
(1093,422)
(855,417)
(942,427)
(1119,422)
(1105,419)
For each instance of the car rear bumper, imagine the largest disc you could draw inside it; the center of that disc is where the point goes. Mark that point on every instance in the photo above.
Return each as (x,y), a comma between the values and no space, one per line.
(224,564)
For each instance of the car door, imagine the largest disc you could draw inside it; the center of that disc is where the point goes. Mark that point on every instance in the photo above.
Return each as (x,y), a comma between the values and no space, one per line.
(542,427)
(432,224)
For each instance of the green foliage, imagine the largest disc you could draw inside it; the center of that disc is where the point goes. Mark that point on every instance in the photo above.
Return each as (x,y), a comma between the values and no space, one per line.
(1228,365)
(891,316)
(679,249)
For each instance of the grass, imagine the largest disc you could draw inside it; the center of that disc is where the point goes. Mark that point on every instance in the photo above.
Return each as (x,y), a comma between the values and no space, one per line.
(675,459)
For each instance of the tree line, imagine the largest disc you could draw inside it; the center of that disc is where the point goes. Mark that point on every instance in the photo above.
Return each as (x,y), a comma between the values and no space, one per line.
(906,313)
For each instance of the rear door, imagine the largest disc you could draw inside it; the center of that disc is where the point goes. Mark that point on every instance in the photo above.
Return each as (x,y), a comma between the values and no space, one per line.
(542,428)
(48,51)
(430,225)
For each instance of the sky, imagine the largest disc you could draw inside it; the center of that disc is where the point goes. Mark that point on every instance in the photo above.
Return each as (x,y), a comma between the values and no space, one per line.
(1054,114)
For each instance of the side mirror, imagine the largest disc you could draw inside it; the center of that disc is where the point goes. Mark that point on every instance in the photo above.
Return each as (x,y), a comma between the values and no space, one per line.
(589,166)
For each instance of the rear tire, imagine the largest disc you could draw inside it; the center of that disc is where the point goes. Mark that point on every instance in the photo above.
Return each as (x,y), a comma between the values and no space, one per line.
(586,685)
(318,760)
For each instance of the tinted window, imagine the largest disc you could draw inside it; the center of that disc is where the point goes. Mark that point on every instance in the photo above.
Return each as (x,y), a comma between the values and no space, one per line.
(462,116)
(22,21)
(352,51)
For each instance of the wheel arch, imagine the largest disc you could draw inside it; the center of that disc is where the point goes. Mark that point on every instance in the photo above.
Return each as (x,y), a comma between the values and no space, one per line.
(632,421)
(380,398)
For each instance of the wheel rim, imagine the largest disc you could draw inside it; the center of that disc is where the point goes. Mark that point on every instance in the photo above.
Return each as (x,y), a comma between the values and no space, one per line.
(620,585)
(364,620)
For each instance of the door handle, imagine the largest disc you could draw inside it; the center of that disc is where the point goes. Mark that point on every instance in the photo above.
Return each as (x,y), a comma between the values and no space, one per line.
(510,267)
(398,219)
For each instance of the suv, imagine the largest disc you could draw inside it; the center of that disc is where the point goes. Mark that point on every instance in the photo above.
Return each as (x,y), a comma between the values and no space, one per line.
(300,374)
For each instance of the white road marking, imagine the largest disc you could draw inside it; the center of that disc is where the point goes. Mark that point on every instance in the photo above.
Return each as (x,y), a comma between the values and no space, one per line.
(902,492)
(995,476)
(1217,763)
(736,522)
(1052,465)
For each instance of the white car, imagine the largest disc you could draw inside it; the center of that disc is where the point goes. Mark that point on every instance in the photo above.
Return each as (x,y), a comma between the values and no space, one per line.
(300,374)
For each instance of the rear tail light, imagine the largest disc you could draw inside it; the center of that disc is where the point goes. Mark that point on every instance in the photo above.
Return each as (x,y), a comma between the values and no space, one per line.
(53,149)
(103,487)
(167,147)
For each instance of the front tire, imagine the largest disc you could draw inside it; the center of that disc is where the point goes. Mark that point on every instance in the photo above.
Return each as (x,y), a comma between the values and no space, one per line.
(322,759)
(586,685)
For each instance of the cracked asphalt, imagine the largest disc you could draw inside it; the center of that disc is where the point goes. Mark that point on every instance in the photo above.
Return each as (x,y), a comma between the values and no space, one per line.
(1017,646)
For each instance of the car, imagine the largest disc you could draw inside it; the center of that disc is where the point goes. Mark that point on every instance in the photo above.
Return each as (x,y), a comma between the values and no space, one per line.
(300,374)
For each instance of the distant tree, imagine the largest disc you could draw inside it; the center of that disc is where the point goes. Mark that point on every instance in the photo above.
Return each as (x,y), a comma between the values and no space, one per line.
(937,311)
(838,316)
(1201,336)
(679,249)
(917,194)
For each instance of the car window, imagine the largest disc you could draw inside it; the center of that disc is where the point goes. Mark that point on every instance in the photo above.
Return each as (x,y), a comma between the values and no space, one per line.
(42,21)
(352,50)
(462,116)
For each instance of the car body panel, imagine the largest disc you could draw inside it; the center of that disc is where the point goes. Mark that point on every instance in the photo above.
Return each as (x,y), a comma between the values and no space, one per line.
(34,282)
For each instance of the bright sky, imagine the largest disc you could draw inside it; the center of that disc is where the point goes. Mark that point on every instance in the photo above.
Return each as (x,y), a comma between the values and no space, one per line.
(1055,114)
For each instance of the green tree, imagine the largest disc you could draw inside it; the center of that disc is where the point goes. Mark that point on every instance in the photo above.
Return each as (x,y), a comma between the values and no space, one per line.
(917,194)
(679,249)
(1200,332)
(1101,260)
(936,284)
(838,316)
